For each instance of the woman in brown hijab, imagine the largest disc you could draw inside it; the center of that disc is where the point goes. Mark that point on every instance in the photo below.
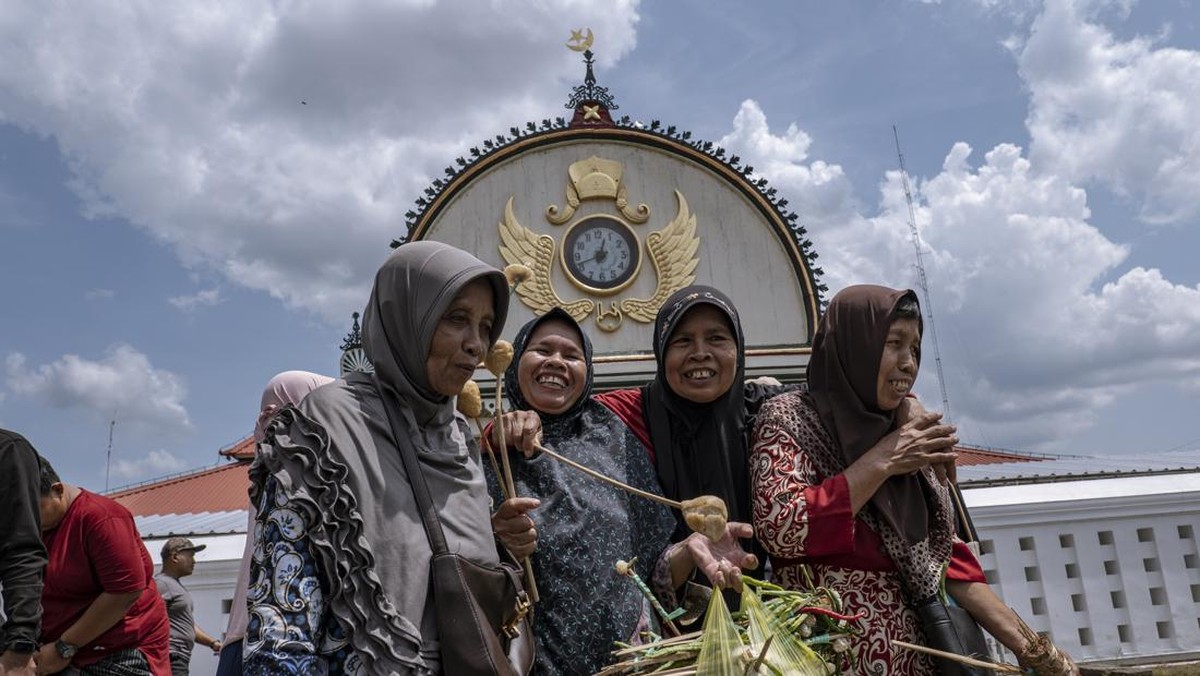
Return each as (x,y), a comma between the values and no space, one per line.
(841,486)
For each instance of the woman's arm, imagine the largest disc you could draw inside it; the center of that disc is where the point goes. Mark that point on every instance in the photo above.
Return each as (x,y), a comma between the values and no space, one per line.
(287,620)
(920,442)
(994,616)
(796,512)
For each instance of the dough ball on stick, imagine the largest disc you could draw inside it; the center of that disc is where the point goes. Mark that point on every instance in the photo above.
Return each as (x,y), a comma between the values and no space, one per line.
(517,273)
(499,357)
(470,400)
(707,515)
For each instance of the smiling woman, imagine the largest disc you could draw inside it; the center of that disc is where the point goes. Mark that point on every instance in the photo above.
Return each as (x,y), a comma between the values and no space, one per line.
(582,526)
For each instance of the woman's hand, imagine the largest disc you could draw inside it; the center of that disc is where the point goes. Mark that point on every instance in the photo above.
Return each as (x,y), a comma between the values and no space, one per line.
(721,562)
(513,526)
(522,431)
(919,442)
(911,409)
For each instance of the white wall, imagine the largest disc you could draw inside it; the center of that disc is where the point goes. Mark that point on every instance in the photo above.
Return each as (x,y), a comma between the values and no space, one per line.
(1109,568)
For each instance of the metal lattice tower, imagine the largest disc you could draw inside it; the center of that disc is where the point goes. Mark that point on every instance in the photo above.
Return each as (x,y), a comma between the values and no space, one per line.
(926,303)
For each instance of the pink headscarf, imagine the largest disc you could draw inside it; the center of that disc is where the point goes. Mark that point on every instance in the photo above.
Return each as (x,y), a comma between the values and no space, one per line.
(289,387)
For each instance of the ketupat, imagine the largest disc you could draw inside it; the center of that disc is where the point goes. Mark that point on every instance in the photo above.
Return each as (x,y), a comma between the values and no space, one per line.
(816,614)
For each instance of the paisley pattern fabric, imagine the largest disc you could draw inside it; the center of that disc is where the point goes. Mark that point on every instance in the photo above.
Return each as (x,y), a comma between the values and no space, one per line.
(792,455)
(290,630)
(584,527)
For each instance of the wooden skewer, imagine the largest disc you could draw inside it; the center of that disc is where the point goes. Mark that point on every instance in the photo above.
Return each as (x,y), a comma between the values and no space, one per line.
(487,446)
(609,480)
(512,489)
(971,661)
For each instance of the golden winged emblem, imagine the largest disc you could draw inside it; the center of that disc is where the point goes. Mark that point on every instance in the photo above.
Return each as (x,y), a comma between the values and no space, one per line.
(673,253)
(520,245)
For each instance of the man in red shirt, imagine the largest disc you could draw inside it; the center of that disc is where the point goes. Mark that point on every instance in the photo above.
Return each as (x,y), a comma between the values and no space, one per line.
(101,611)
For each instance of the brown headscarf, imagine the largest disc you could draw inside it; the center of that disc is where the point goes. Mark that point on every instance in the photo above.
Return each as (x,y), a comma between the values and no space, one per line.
(842,378)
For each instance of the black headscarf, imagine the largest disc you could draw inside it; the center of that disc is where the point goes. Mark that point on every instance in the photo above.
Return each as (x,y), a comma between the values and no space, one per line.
(513,386)
(585,526)
(699,449)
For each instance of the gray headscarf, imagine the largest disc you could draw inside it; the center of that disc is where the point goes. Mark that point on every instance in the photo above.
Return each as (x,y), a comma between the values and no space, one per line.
(412,290)
(339,463)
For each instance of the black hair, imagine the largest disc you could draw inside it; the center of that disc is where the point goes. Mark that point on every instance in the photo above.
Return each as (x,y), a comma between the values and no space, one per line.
(907,308)
(48,476)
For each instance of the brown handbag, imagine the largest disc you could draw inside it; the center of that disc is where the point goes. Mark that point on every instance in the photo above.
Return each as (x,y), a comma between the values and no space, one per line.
(482,610)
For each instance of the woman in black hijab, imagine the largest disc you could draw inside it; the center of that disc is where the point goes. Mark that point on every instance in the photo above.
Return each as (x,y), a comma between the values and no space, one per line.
(695,418)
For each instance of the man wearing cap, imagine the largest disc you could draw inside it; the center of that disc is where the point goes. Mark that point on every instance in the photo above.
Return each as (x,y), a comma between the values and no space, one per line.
(178,561)
(101,612)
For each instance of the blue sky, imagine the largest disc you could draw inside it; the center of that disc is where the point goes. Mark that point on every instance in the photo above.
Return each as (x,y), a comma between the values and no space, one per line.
(176,226)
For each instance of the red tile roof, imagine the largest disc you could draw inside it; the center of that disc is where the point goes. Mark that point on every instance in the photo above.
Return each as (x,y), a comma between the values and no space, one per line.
(973,455)
(213,489)
(223,488)
(242,450)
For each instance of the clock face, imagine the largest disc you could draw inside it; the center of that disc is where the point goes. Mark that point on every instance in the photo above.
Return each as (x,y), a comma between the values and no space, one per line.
(601,254)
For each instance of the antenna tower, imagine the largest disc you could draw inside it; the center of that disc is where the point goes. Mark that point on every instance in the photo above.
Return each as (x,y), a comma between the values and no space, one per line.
(926,303)
(108,462)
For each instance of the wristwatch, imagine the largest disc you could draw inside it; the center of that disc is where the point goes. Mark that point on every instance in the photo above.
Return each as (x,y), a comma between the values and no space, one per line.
(65,650)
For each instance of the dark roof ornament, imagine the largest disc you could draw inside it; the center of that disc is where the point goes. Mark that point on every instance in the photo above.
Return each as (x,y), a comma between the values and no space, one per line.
(590,101)
(354,357)
(598,106)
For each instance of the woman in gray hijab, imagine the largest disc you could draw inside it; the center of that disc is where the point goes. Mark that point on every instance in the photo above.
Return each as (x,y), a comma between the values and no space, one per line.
(339,580)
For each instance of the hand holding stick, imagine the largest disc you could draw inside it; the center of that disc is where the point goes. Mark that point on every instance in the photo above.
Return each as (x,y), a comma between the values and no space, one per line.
(497,361)
(470,404)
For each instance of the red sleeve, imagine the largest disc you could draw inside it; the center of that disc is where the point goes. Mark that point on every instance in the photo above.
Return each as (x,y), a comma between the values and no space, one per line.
(964,567)
(627,405)
(115,550)
(796,513)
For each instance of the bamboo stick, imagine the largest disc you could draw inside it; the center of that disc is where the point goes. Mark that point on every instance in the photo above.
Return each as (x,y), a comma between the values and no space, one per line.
(971,661)
(508,481)
(609,480)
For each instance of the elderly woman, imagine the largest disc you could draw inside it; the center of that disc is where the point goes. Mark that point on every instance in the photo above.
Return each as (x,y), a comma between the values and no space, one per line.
(341,562)
(695,418)
(841,485)
(583,526)
(283,389)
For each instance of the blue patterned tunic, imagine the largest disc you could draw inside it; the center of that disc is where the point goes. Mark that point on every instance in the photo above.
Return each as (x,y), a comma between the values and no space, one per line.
(289,630)
(584,527)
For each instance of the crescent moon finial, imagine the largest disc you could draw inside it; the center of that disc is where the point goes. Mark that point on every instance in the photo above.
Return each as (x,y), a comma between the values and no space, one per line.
(580,42)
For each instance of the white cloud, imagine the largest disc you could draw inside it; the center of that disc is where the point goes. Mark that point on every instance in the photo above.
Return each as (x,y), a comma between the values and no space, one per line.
(99,294)
(156,463)
(123,384)
(1042,346)
(1124,113)
(206,297)
(187,119)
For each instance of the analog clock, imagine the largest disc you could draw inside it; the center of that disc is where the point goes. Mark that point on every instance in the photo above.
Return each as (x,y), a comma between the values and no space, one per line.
(601,254)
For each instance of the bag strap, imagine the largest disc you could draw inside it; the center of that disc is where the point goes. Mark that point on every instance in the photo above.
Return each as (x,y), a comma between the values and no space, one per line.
(966,526)
(416,478)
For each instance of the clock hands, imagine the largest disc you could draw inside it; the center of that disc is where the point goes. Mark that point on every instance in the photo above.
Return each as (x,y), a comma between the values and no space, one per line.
(599,256)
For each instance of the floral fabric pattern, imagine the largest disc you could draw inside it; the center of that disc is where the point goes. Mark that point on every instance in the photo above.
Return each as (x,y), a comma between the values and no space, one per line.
(800,512)
(290,631)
